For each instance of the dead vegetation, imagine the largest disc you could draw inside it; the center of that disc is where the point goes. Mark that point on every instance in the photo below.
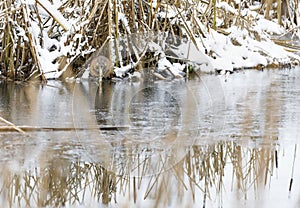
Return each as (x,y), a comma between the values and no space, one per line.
(28,33)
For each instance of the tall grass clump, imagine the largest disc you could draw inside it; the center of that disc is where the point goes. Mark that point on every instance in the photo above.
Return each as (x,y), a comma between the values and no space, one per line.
(52,41)
(18,47)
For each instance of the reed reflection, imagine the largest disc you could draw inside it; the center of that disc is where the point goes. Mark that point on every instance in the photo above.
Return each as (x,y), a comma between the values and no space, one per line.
(251,164)
(204,176)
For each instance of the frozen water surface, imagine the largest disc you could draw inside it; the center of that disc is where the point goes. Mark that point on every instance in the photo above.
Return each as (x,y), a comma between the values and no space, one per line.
(218,141)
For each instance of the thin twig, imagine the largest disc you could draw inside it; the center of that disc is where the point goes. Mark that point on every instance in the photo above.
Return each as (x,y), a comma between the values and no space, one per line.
(12,125)
(25,129)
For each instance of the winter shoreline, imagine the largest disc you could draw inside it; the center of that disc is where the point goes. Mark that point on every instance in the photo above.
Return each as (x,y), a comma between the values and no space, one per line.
(60,40)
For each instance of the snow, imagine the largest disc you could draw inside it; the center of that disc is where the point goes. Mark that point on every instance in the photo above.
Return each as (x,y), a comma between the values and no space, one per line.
(52,10)
(223,55)
(124,21)
(268,26)
(164,63)
(248,53)
(233,48)
(120,71)
(224,5)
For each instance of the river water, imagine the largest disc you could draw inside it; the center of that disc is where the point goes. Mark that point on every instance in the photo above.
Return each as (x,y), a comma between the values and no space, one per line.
(215,141)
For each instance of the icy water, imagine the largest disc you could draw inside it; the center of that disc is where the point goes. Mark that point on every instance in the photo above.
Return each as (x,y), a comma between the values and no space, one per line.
(218,141)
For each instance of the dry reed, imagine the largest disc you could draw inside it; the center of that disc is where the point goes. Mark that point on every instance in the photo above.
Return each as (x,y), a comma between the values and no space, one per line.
(93,21)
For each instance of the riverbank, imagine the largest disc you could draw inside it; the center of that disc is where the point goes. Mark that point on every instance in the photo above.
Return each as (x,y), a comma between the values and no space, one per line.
(62,39)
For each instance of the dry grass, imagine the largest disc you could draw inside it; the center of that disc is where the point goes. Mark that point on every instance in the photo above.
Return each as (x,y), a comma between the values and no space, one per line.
(19,57)
(93,21)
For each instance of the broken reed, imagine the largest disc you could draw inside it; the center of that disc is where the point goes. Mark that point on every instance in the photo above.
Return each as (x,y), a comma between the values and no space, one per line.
(96,21)
(203,169)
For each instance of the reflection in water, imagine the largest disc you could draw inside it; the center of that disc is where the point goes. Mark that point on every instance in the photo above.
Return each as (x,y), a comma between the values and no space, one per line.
(203,177)
(234,143)
(59,184)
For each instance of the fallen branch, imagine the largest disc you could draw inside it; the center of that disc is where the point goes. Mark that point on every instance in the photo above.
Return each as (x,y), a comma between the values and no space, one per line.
(11,126)
(25,129)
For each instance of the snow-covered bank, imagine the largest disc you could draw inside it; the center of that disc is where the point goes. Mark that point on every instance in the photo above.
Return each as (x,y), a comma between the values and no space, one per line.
(56,39)
(239,50)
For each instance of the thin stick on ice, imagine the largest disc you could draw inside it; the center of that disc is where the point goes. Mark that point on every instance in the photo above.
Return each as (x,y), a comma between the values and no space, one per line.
(13,125)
